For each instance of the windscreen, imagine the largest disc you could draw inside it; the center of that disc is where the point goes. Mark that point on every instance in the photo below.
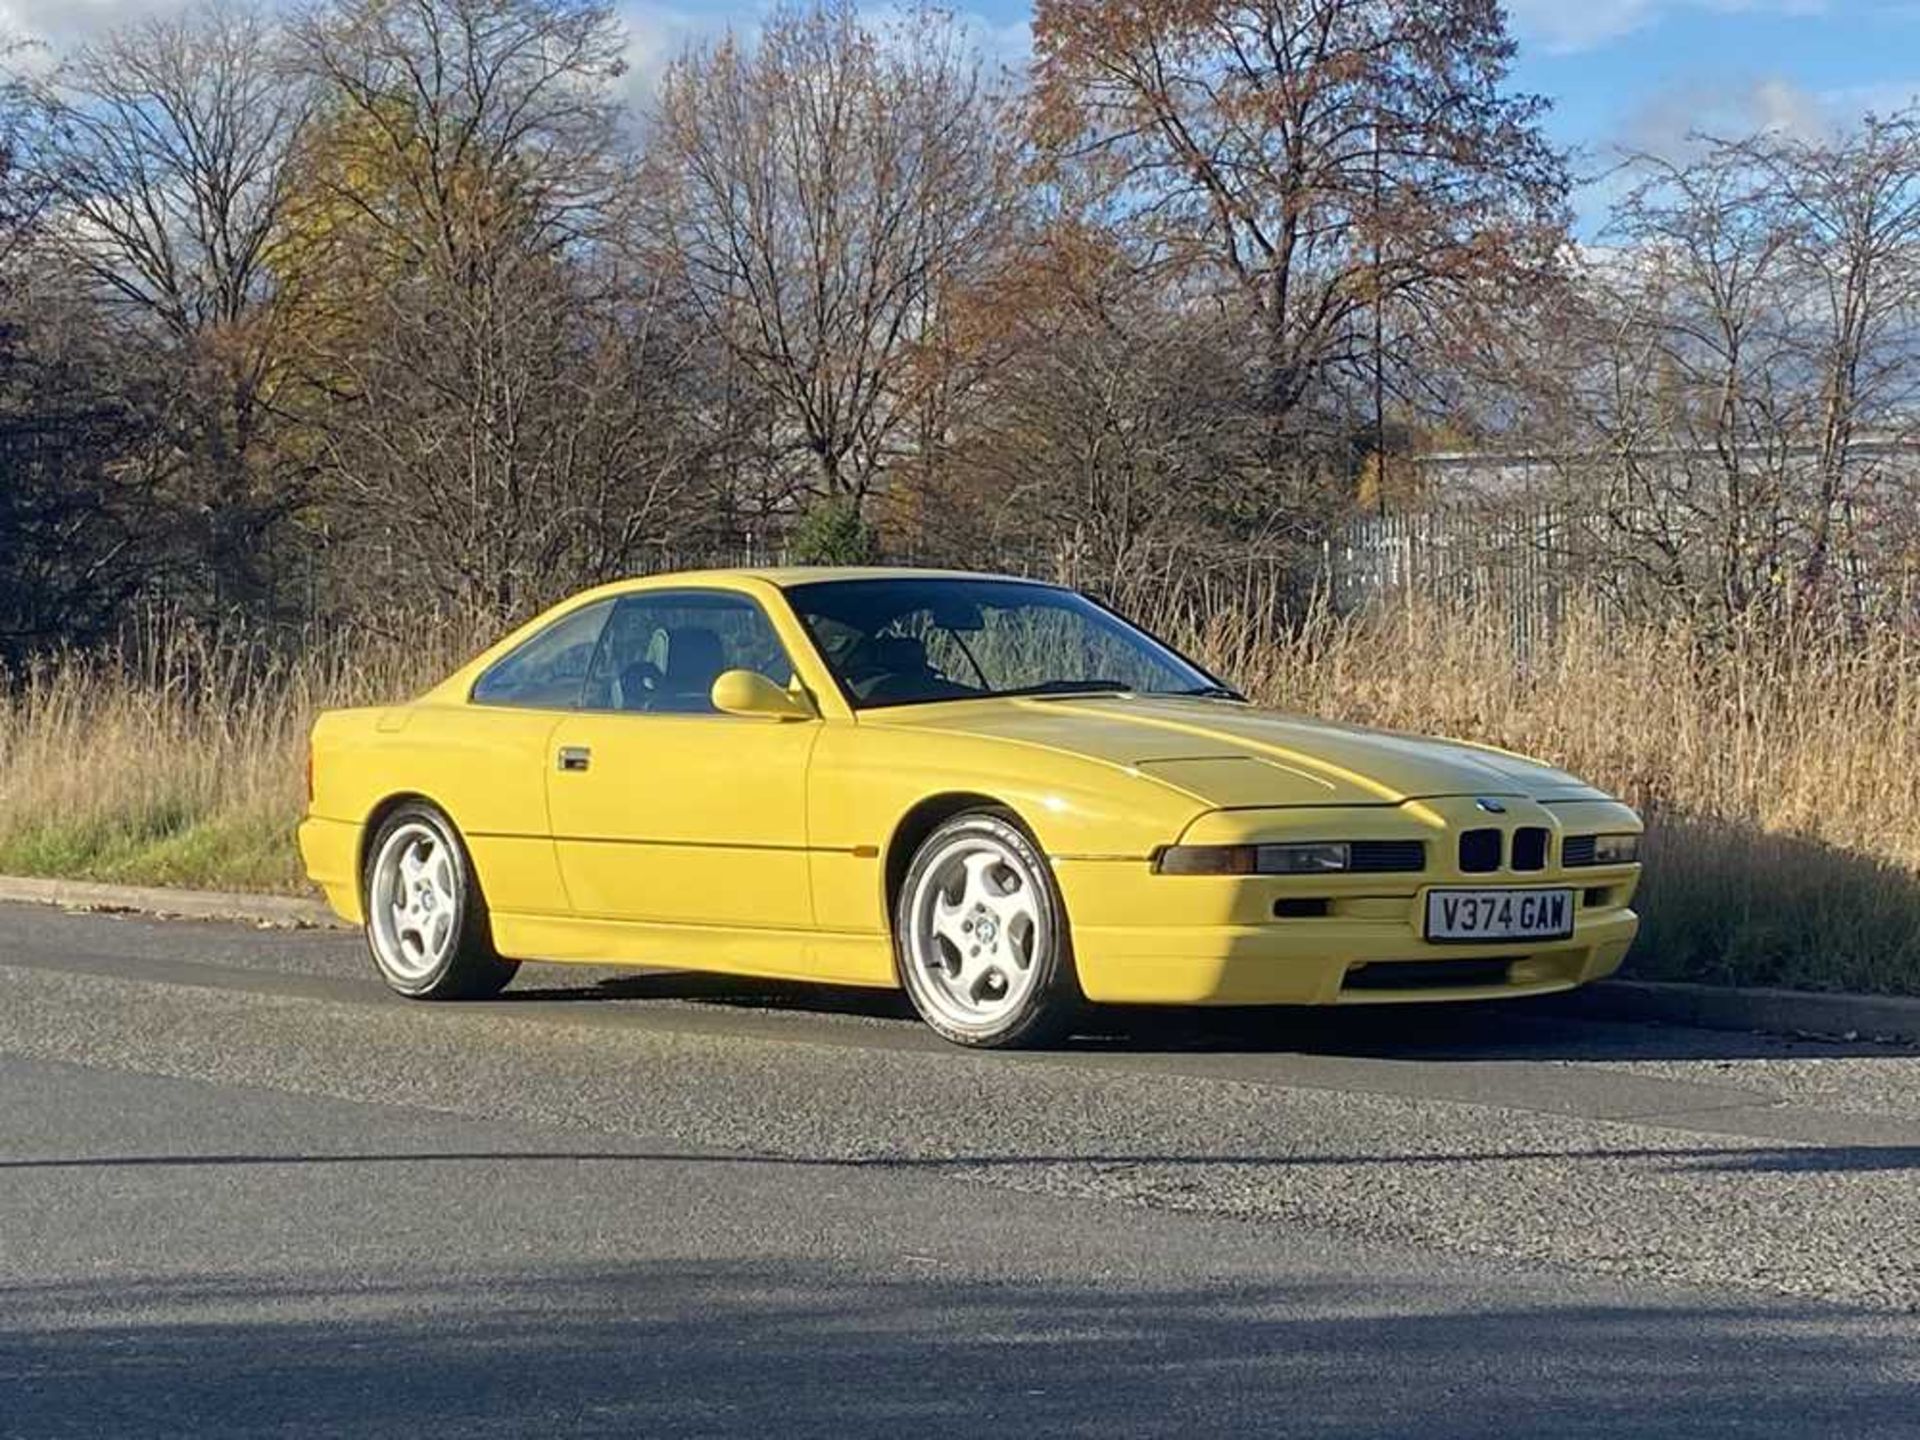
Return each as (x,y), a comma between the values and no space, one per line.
(910,640)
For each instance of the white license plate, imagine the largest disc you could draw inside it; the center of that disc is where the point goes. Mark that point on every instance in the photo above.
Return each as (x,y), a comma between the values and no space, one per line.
(1504,914)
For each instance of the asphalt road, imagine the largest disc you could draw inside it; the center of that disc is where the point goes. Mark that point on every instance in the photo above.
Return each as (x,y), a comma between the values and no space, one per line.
(244,1192)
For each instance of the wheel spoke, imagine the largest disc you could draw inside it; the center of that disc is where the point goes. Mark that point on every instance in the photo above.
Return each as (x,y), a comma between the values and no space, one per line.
(1016,909)
(949,918)
(983,885)
(974,964)
(442,873)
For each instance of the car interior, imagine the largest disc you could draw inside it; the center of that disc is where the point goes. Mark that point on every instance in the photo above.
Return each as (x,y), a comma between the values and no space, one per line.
(896,667)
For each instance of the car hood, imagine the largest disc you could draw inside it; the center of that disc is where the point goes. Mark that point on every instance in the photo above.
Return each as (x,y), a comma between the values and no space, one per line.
(1231,756)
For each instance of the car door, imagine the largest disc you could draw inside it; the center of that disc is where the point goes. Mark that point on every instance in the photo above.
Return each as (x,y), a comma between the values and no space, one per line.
(664,809)
(484,761)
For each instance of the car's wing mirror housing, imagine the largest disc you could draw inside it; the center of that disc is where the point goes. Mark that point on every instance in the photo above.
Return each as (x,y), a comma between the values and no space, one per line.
(748,692)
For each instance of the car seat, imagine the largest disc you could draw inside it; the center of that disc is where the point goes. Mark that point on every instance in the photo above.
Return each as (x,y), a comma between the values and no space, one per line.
(695,658)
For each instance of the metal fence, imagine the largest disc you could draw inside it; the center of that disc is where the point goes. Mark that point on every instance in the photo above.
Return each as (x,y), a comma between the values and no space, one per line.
(1531,561)
(1521,559)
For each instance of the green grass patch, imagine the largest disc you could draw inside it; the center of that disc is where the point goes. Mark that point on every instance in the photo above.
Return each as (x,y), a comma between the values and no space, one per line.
(166,845)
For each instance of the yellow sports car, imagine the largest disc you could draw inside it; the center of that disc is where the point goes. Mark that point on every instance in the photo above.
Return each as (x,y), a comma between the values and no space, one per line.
(994,793)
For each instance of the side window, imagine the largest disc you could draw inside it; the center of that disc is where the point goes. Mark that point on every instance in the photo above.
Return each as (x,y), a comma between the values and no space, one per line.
(547,671)
(663,650)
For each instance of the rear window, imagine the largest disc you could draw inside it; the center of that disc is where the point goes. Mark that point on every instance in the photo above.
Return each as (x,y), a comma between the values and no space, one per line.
(548,671)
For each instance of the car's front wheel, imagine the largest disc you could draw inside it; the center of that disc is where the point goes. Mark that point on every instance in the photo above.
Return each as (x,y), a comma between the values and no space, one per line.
(982,938)
(426,920)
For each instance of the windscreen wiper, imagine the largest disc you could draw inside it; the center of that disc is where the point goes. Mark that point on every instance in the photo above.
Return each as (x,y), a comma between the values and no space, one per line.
(1069,687)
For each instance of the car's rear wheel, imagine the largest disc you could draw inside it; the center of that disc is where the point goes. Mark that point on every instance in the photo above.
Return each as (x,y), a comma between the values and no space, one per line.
(426,919)
(981,935)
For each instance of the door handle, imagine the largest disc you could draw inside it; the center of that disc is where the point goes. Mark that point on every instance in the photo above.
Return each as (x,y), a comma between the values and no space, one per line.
(575,757)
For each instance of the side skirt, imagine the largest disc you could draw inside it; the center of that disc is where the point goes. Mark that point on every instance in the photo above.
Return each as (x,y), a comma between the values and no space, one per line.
(829,957)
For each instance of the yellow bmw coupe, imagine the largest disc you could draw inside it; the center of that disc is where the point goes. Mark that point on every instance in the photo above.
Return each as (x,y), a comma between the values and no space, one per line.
(994,793)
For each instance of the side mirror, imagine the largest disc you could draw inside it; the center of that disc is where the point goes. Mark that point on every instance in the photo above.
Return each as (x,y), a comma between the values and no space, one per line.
(748,692)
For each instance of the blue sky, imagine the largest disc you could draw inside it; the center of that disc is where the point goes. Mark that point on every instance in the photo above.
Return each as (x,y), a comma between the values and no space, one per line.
(1638,73)
(1642,73)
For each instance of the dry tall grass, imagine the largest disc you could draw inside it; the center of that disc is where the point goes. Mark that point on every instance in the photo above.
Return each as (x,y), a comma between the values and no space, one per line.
(1780,773)
(180,758)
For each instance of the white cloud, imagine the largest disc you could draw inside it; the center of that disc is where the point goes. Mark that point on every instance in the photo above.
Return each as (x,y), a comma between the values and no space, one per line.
(1568,26)
(1671,123)
(59,24)
(1882,97)
(1676,123)
(659,33)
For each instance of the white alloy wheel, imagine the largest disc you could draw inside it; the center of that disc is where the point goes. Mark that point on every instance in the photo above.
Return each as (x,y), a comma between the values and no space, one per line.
(414,902)
(427,923)
(980,934)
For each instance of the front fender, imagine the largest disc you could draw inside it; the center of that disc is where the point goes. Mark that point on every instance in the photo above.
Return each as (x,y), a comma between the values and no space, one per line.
(866,780)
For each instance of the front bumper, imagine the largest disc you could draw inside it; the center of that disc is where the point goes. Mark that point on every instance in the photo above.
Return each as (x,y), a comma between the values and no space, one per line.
(1145,938)
(1319,962)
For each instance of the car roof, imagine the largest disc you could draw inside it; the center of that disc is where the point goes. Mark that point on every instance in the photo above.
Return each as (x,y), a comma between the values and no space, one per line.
(787,576)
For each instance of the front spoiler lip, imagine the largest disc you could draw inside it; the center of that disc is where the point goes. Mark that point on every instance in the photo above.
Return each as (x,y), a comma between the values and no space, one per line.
(1139,957)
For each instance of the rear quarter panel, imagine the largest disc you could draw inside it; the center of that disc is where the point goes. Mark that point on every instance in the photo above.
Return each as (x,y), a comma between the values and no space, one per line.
(485,768)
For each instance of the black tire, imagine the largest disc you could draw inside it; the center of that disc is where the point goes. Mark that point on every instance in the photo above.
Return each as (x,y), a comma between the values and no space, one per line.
(464,964)
(1051,1000)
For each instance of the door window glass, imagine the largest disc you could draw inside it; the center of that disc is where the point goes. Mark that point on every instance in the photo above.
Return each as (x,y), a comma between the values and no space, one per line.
(662,651)
(547,671)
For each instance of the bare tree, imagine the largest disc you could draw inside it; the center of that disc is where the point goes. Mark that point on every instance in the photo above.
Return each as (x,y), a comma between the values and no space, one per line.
(821,196)
(84,529)
(1116,436)
(450,126)
(1351,175)
(79,534)
(1853,217)
(1729,389)
(167,143)
(484,376)
(163,151)
(22,191)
